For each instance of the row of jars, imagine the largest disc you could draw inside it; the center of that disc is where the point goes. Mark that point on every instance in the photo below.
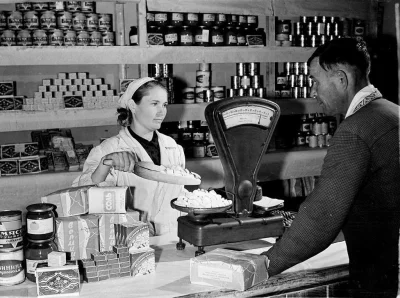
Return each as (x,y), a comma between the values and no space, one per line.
(56,37)
(178,19)
(204,36)
(48,20)
(72,6)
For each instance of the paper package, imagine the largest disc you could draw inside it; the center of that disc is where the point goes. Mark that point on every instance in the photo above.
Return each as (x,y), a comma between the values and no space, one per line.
(58,281)
(142,261)
(107,199)
(228,269)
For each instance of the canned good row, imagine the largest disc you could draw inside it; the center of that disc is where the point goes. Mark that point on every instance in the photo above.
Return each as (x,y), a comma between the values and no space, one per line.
(257,92)
(292,80)
(49,20)
(312,41)
(246,82)
(293,92)
(248,69)
(202,94)
(56,37)
(163,19)
(57,6)
(312,140)
(160,70)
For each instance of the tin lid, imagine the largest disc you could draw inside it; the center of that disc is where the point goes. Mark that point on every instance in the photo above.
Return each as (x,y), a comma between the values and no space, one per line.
(40,241)
(40,207)
(10,215)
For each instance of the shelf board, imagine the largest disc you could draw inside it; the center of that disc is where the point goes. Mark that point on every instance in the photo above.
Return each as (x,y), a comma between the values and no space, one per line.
(51,55)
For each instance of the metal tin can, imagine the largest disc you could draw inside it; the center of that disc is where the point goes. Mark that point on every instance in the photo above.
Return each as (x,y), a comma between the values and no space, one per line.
(235,82)
(92,22)
(321,140)
(74,6)
(15,20)
(231,93)
(313,141)
(105,22)
(295,92)
(108,38)
(203,78)
(261,92)
(200,93)
(88,6)
(3,19)
(300,80)
(70,38)
(256,81)
(7,38)
(64,20)
(79,21)
(96,38)
(188,95)
(245,82)
(25,6)
(40,6)
(56,37)
(253,68)
(219,92)
(208,96)
(167,70)
(240,69)
(31,19)
(303,92)
(240,92)
(288,68)
(251,92)
(12,268)
(11,230)
(82,38)
(39,38)
(48,20)
(156,70)
(24,38)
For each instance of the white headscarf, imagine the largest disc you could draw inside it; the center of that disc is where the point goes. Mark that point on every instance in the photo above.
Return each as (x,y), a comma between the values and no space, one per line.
(132,87)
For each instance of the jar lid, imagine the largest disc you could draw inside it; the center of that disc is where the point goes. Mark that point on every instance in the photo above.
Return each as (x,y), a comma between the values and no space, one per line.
(10,215)
(40,241)
(40,207)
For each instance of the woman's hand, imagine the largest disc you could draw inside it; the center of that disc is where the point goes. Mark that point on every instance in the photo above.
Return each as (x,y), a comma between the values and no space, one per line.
(121,161)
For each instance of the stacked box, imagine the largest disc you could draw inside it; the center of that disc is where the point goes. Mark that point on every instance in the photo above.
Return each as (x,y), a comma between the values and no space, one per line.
(9,167)
(107,199)
(19,150)
(7,89)
(142,261)
(135,235)
(62,280)
(23,165)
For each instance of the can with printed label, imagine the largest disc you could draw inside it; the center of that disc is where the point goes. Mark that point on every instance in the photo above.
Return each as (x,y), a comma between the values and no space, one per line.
(10,230)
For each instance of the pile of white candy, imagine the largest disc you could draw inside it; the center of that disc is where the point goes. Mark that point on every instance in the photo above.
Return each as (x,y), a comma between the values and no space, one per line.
(179,171)
(201,198)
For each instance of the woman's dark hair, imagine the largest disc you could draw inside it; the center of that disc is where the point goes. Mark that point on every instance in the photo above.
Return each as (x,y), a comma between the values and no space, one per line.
(346,51)
(125,115)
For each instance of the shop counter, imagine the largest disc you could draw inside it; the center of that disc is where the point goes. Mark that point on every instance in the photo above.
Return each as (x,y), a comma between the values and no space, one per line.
(171,278)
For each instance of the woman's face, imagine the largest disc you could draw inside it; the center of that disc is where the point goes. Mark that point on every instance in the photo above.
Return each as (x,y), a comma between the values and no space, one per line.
(150,112)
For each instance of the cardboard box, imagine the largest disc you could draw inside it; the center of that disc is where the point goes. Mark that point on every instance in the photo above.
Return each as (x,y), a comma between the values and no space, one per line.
(33,164)
(107,199)
(228,269)
(19,150)
(134,235)
(8,167)
(70,201)
(58,281)
(142,262)
(7,89)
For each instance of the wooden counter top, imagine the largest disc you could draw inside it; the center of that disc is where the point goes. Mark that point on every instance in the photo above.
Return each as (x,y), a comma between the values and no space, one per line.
(172,274)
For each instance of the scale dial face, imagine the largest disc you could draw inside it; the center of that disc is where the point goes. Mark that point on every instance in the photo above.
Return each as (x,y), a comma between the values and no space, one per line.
(248,114)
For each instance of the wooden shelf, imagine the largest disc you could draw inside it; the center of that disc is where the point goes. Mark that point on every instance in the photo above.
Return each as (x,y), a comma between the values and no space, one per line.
(67,118)
(51,55)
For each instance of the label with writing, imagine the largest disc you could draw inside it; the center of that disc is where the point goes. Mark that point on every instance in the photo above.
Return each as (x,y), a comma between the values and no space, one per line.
(215,273)
(40,226)
(31,265)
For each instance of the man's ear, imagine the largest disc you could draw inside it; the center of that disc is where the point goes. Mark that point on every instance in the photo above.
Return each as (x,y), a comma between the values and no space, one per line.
(343,79)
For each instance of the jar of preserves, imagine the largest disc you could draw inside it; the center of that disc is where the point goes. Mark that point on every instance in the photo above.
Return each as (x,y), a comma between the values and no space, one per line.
(175,19)
(40,6)
(220,19)
(232,20)
(15,20)
(186,36)
(82,38)
(155,36)
(74,6)
(92,22)
(79,21)
(56,37)
(64,20)
(88,6)
(202,36)
(217,37)
(24,38)
(191,19)
(70,38)
(105,22)
(133,36)
(39,38)
(36,252)
(230,36)
(161,19)
(207,19)
(171,36)
(31,20)
(96,38)
(199,149)
(48,20)
(150,19)
(40,221)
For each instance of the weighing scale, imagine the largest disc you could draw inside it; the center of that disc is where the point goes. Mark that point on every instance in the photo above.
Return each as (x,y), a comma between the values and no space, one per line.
(241,128)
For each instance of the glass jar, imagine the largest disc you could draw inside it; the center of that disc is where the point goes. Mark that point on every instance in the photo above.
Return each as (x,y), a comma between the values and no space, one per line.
(186,36)
(175,19)
(242,21)
(241,37)
(161,19)
(217,37)
(150,19)
(133,36)
(171,36)
(207,19)
(40,221)
(230,36)
(36,252)
(220,20)
(202,36)
(232,20)
(252,21)
(191,19)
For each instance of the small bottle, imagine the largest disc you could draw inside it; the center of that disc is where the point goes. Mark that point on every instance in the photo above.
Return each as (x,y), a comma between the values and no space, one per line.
(230,36)
(175,19)
(217,37)
(232,20)
(202,36)
(171,36)
(205,130)
(133,36)
(220,20)
(207,19)
(191,19)
(186,36)
(36,252)
(241,37)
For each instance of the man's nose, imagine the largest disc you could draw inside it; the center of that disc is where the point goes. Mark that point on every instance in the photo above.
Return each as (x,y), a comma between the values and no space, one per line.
(313,92)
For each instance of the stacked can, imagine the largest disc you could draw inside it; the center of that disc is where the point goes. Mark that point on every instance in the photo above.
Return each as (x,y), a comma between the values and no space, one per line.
(203,29)
(294,81)
(164,74)
(316,30)
(247,81)
(72,23)
(315,130)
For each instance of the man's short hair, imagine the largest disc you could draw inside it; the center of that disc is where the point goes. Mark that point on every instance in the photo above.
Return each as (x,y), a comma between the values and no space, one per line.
(347,51)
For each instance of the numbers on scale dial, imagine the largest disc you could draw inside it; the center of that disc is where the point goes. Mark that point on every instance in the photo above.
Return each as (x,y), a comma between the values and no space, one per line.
(250,114)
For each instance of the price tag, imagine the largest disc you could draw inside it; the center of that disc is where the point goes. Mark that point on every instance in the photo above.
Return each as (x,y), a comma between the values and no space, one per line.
(19,148)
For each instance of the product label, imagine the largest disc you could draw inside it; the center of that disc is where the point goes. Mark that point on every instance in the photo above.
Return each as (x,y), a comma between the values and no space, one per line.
(199,151)
(31,265)
(109,201)
(192,17)
(208,17)
(206,35)
(177,16)
(187,39)
(241,40)
(232,39)
(160,17)
(220,274)
(217,39)
(133,39)
(9,268)
(171,37)
(40,226)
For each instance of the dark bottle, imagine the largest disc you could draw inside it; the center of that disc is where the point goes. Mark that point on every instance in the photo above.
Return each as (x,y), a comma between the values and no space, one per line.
(161,19)
(220,19)
(242,21)
(36,252)
(232,20)
(252,21)
(230,36)
(202,36)
(171,36)
(260,31)
(217,37)
(241,37)
(150,19)
(207,19)
(133,36)
(191,19)
(186,37)
(175,19)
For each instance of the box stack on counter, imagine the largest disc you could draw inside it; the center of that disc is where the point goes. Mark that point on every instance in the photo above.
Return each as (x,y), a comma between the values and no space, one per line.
(8,98)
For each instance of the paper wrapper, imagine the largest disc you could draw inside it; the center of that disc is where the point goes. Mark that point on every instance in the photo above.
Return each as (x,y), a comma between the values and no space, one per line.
(69,201)
(106,227)
(107,199)
(57,281)
(78,235)
(142,261)
(228,269)
(134,235)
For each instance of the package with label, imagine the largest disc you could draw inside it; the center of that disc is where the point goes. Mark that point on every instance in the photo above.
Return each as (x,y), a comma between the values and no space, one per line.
(106,227)
(70,201)
(9,167)
(58,281)
(19,150)
(107,199)
(33,164)
(135,235)
(78,235)
(228,269)
(142,261)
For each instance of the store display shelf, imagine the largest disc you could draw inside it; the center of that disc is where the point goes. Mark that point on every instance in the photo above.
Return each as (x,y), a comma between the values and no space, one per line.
(119,1)
(51,55)
(67,118)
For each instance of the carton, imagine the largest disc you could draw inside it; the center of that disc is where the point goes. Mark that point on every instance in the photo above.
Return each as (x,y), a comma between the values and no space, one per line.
(142,261)
(57,281)
(107,199)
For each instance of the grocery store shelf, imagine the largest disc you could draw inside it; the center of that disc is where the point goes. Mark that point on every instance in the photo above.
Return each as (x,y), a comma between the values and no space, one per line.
(51,55)
(68,118)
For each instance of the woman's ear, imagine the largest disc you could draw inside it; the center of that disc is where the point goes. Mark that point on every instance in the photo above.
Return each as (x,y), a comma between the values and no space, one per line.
(132,106)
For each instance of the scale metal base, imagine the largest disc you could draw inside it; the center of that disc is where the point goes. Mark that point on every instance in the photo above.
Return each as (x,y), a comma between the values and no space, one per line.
(223,228)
